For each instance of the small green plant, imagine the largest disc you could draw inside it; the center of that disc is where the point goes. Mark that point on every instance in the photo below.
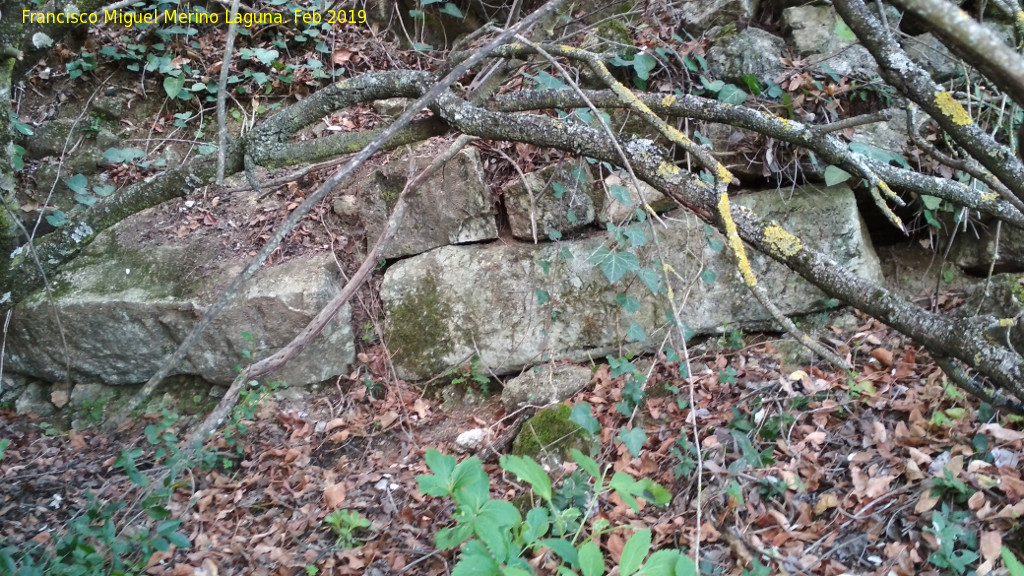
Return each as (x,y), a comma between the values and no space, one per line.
(497,539)
(94,542)
(733,340)
(344,523)
(957,545)
(472,373)
(311,570)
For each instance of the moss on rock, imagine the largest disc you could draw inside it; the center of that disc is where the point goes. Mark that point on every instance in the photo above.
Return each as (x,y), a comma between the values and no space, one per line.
(417,328)
(550,433)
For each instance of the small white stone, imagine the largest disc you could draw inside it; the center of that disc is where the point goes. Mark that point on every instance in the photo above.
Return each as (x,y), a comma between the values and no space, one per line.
(470,440)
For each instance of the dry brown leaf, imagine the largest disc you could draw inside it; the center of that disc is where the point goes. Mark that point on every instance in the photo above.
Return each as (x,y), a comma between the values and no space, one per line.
(990,544)
(883,356)
(1000,433)
(826,502)
(334,494)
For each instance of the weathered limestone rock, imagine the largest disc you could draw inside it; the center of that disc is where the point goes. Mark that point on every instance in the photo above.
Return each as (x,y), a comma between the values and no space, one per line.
(697,16)
(974,253)
(544,384)
(519,305)
(452,207)
(818,33)
(559,198)
(752,51)
(124,308)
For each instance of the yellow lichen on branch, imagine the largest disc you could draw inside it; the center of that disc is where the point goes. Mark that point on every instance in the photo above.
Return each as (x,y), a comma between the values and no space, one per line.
(733,238)
(781,241)
(952,109)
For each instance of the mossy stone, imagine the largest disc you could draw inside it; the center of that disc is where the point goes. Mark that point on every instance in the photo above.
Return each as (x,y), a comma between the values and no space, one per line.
(551,435)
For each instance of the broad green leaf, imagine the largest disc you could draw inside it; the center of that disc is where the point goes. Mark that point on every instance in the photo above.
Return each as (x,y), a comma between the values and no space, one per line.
(583,416)
(78,184)
(643,64)
(494,538)
(470,485)
(499,513)
(173,85)
(179,540)
(591,559)
(451,10)
(931,202)
(732,94)
(57,219)
(835,175)
(448,538)
(633,439)
(708,276)
(528,470)
(653,492)
(621,195)
(634,552)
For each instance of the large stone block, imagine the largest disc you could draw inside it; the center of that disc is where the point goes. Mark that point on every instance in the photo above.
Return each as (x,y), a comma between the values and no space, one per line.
(516,305)
(123,308)
(556,200)
(452,207)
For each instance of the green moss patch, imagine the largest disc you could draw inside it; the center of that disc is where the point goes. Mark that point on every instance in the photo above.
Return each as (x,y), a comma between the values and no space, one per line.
(550,432)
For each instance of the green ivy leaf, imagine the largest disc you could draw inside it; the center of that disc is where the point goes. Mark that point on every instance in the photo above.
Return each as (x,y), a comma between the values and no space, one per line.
(835,175)
(732,94)
(643,64)
(615,265)
(78,184)
(651,279)
(582,415)
(542,297)
(57,219)
(629,304)
(633,439)
(931,202)
(173,85)
(451,10)
(621,195)
(636,332)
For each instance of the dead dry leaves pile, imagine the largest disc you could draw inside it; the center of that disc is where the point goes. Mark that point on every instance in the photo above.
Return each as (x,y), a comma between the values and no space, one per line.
(804,471)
